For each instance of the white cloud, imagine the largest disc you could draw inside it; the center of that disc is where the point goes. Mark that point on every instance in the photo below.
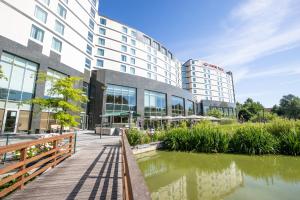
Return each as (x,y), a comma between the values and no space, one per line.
(254,29)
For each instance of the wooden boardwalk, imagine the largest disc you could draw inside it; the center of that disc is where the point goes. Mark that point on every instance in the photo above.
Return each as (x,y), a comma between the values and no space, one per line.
(94,172)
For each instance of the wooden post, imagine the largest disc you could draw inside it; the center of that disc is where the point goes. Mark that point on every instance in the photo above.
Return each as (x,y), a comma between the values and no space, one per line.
(70,143)
(22,158)
(55,145)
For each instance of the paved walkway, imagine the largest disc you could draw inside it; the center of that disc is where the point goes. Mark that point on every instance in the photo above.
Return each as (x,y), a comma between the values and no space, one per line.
(94,172)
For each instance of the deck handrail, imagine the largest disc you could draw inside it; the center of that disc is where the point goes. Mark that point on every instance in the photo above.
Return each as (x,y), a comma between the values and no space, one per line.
(134,185)
(24,168)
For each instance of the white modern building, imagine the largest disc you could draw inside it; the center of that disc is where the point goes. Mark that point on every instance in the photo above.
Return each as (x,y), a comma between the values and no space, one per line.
(53,36)
(210,84)
(69,38)
(125,49)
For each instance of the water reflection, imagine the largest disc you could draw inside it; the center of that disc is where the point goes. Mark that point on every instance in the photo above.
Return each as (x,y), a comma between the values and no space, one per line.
(177,175)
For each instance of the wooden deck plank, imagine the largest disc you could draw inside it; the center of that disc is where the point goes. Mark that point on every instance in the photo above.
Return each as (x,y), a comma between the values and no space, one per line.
(94,172)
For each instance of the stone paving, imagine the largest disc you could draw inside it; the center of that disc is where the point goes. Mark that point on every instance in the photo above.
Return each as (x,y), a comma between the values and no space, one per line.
(93,172)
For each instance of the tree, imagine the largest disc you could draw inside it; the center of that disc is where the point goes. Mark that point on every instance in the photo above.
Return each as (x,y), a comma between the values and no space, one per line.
(2,76)
(215,113)
(65,100)
(249,109)
(289,107)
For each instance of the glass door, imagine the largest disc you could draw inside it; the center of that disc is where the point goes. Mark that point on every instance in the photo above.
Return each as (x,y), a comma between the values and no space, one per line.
(10,121)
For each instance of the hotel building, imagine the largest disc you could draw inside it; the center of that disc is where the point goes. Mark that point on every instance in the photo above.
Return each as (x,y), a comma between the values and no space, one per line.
(123,69)
(211,86)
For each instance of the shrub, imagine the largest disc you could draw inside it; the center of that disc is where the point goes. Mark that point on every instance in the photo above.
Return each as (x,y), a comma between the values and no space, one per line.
(279,127)
(135,137)
(203,137)
(290,142)
(210,138)
(253,139)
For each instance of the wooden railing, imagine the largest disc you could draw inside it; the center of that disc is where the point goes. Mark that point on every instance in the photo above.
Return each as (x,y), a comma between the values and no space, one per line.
(26,160)
(134,185)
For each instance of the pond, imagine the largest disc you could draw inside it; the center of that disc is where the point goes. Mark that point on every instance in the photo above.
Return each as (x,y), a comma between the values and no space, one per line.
(180,175)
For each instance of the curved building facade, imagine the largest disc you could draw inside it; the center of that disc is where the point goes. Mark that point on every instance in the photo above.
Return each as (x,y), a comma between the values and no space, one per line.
(124,49)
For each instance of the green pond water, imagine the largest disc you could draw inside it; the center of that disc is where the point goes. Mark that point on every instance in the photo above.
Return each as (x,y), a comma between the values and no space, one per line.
(179,175)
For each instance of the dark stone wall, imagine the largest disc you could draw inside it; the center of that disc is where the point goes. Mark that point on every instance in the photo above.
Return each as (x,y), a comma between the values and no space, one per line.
(103,77)
(33,52)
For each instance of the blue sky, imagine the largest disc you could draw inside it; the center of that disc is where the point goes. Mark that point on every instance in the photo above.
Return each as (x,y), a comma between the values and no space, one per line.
(258,40)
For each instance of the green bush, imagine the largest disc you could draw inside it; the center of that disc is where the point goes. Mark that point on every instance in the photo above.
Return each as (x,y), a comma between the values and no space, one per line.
(290,142)
(203,137)
(209,138)
(136,137)
(280,126)
(253,139)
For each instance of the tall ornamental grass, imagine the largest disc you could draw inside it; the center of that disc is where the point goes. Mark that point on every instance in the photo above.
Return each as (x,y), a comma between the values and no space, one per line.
(280,136)
(253,139)
(201,138)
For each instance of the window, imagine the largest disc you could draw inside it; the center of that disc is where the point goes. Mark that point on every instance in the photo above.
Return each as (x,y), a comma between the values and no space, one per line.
(124,38)
(102,31)
(99,63)
(37,33)
(133,42)
(155,104)
(61,11)
(90,36)
(155,60)
(133,34)
(101,41)
(94,2)
(91,24)
(100,52)
(149,58)
(123,68)
(120,99)
(87,63)
(190,107)
(156,45)
(155,68)
(24,71)
(194,85)
(40,14)
(56,44)
(177,106)
(66,1)
(132,61)
(132,51)
(93,12)
(123,58)
(132,70)
(89,49)
(147,40)
(47,2)
(164,51)
(124,48)
(148,75)
(103,21)
(149,49)
(124,29)
(59,27)
(155,76)
(149,66)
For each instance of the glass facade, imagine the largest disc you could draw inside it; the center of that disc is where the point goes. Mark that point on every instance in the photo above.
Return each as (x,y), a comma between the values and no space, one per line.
(155,104)
(18,86)
(190,107)
(120,99)
(177,106)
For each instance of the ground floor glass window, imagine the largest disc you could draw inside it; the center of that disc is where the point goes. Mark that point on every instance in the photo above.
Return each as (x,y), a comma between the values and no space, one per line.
(154,104)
